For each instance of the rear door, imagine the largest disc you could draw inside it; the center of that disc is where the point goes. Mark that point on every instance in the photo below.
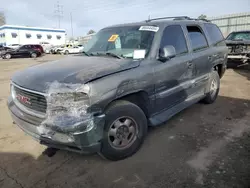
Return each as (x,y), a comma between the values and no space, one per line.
(76,49)
(217,44)
(173,77)
(201,56)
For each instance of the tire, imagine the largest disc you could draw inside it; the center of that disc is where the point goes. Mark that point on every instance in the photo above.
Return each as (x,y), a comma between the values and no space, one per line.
(121,111)
(66,52)
(33,55)
(7,56)
(212,90)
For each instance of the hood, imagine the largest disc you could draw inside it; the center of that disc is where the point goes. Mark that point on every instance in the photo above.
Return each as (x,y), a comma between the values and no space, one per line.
(73,69)
(237,42)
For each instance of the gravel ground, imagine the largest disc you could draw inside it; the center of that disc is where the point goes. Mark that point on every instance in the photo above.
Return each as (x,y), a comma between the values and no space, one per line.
(203,146)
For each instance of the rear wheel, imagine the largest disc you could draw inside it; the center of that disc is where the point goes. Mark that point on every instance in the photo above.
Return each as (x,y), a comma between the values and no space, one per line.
(66,52)
(213,88)
(124,131)
(7,56)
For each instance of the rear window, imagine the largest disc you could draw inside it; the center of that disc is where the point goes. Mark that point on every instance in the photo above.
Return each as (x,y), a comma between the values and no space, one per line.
(214,33)
(197,38)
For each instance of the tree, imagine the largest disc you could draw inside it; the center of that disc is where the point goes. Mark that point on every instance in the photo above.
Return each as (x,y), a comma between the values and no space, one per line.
(202,16)
(90,32)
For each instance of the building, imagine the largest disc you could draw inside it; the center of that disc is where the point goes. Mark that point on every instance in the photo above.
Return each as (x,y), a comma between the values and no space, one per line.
(2,19)
(232,22)
(85,39)
(11,34)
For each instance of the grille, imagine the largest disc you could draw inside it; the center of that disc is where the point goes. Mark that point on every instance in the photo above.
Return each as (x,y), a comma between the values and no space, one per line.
(31,100)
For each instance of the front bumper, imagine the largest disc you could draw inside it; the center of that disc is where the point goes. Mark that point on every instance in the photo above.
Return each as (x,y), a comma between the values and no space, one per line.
(239,57)
(82,142)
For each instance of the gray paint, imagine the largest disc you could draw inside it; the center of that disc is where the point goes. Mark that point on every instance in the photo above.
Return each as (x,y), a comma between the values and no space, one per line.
(169,86)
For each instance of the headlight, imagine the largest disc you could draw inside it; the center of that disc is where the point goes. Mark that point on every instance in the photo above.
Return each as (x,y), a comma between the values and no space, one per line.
(80,96)
(68,94)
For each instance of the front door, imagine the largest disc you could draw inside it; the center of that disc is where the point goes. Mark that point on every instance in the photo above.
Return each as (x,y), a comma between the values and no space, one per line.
(21,52)
(174,77)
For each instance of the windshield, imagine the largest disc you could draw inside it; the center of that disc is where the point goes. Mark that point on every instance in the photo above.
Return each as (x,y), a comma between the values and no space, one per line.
(239,36)
(122,41)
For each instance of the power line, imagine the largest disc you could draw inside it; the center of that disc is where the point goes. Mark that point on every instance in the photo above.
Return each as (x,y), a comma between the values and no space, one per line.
(58,12)
(72,33)
(108,7)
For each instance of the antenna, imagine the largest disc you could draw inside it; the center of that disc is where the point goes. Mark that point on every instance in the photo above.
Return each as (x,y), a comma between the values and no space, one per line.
(59,12)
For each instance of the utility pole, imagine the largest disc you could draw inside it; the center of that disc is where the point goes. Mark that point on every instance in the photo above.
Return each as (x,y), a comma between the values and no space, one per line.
(59,12)
(72,33)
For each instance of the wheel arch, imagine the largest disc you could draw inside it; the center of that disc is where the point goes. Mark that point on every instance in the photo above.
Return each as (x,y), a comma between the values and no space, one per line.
(139,98)
(219,69)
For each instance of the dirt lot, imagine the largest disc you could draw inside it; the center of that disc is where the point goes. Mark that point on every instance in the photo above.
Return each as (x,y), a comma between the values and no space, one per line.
(203,146)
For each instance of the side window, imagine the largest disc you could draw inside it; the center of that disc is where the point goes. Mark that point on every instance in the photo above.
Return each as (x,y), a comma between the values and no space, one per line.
(24,47)
(214,33)
(197,38)
(174,36)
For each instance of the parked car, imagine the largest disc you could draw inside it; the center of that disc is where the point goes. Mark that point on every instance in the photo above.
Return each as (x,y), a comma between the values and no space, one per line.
(14,46)
(238,43)
(23,51)
(72,50)
(46,46)
(129,77)
(59,49)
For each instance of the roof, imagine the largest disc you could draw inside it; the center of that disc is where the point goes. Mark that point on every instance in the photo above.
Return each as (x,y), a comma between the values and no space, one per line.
(26,28)
(161,21)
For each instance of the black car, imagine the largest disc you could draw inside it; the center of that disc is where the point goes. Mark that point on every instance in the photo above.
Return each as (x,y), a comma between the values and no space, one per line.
(239,47)
(23,51)
(129,77)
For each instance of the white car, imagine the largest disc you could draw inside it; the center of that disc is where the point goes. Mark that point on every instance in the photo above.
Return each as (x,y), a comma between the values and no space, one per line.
(14,46)
(72,50)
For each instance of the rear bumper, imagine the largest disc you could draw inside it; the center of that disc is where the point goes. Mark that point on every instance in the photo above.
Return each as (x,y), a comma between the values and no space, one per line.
(82,142)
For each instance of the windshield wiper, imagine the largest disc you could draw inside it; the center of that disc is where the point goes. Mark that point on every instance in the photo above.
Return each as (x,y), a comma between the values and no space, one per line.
(113,55)
(87,54)
(110,54)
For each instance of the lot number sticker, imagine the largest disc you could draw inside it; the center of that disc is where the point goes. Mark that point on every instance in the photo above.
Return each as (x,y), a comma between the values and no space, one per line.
(149,28)
(139,54)
(113,38)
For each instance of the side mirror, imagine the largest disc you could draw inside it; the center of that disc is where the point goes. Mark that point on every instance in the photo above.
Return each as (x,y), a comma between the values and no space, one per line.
(166,53)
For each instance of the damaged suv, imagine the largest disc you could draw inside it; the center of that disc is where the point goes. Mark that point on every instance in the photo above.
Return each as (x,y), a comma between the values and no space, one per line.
(129,77)
(238,43)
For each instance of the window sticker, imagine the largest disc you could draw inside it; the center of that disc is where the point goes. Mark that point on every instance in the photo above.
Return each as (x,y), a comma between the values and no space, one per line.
(149,28)
(139,54)
(113,38)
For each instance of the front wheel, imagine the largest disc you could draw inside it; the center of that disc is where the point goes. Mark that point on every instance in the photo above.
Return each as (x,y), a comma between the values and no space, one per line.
(213,88)
(66,52)
(124,131)
(33,55)
(7,56)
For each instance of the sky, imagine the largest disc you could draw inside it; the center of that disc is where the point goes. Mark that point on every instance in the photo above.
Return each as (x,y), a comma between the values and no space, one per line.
(96,14)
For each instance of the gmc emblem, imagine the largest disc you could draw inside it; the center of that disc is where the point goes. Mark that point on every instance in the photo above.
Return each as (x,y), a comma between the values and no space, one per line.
(23,99)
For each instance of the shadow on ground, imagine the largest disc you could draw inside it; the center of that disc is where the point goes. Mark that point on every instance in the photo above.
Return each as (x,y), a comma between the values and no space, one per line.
(161,162)
(242,70)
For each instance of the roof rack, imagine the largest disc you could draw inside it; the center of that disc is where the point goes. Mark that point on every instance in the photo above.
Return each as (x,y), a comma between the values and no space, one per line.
(176,18)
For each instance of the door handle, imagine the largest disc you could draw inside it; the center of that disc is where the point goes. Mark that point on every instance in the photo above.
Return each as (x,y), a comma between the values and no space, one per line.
(189,64)
(212,56)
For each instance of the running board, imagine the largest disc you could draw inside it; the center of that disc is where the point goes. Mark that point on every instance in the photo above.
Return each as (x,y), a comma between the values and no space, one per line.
(167,114)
